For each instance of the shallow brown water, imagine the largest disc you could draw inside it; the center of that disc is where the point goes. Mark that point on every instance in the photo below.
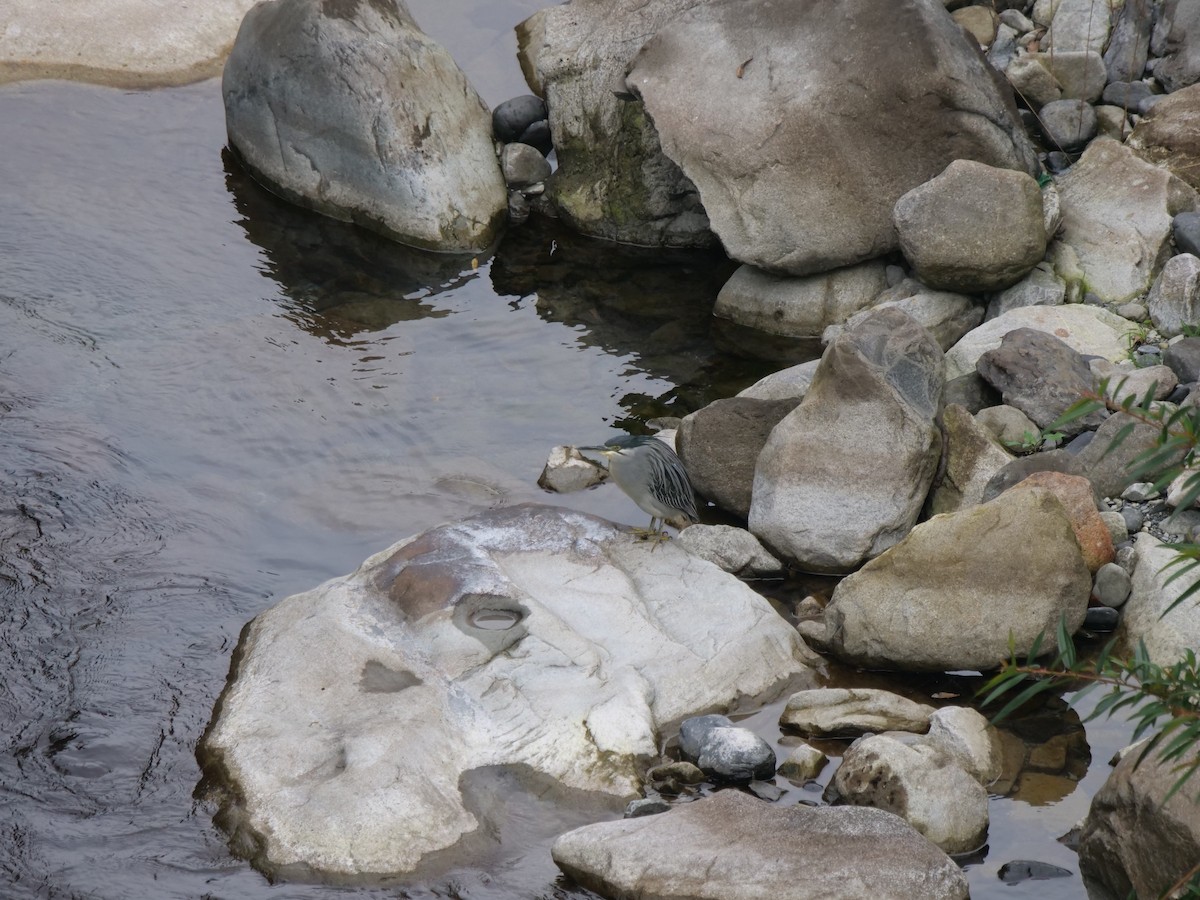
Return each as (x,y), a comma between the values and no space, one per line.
(209,401)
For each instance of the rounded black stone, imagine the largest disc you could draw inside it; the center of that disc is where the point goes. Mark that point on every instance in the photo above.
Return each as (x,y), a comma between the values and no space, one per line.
(512,117)
(1101,618)
(1186,229)
(538,135)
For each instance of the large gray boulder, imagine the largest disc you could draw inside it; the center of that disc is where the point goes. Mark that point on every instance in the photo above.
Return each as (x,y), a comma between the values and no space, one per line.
(1132,843)
(1174,301)
(951,594)
(349,109)
(973,228)
(799,166)
(720,443)
(1156,585)
(127,43)
(528,636)
(946,315)
(1117,211)
(1169,136)
(1078,25)
(1091,330)
(844,475)
(733,847)
(613,180)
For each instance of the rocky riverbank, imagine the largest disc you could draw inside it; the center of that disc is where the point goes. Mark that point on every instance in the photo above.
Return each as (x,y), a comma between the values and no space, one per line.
(982,213)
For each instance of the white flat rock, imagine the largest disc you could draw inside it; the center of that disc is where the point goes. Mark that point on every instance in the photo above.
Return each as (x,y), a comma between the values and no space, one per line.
(127,43)
(530,637)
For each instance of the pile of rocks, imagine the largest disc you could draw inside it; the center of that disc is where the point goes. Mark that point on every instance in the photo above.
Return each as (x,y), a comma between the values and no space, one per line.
(979,239)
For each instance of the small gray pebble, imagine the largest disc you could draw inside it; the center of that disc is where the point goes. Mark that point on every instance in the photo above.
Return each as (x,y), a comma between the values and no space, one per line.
(1133,518)
(1139,492)
(1111,585)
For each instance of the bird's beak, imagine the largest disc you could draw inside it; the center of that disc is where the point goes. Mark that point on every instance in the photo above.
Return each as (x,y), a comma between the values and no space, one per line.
(602,451)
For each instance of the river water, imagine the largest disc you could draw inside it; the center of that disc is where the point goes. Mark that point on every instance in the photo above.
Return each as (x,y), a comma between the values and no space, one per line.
(210,400)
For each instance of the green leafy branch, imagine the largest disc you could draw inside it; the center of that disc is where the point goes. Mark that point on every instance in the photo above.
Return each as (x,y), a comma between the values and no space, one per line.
(1164,702)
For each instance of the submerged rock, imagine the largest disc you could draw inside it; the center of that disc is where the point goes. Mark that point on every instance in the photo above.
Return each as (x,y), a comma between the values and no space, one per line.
(527,636)
(733,847)
(385,132)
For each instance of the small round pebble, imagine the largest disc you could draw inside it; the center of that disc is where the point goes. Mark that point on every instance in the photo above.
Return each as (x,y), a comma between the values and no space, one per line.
(1111,585)
(1133,518)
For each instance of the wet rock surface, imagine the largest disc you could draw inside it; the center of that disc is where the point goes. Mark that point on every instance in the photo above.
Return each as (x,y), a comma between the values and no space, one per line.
(423,665)
(835,851)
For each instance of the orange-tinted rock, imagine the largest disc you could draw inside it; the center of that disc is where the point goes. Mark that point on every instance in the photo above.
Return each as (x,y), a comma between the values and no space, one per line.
(1075,494)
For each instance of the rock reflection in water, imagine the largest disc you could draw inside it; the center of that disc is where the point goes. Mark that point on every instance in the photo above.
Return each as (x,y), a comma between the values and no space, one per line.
(341,279)
(652,304)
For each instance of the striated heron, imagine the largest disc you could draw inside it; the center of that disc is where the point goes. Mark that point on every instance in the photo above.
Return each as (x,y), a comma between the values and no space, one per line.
(652,475)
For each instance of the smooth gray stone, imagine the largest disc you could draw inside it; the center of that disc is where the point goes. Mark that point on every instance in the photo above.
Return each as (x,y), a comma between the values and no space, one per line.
(1185,228)
(736,754)
(1068,124)
(720,443)
(512,117)
(1183,358)
(1126,94)
(695,731)
(1111,585)
(1129,44)
(1040,375)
